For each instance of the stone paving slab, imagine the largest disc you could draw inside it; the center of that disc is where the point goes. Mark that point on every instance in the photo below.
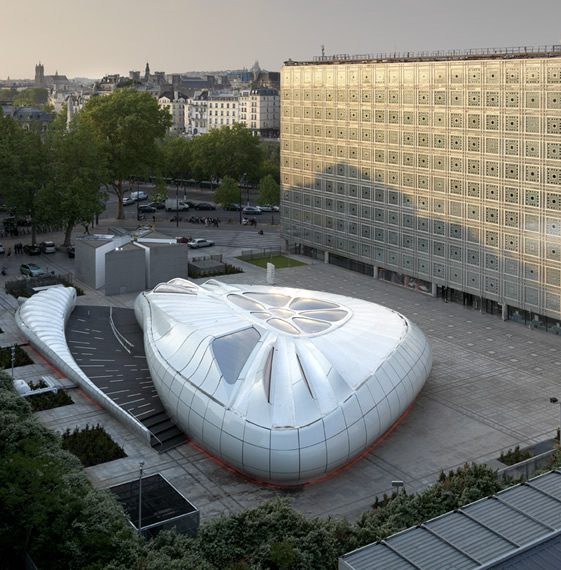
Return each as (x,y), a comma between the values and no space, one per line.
(489,390)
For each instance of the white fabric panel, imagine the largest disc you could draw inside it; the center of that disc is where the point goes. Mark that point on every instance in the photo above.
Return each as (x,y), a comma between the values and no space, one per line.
(314,458)
(312,434)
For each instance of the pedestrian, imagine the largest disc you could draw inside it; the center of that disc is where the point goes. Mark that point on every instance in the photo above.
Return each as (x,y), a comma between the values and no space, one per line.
(9,251)
(154,219)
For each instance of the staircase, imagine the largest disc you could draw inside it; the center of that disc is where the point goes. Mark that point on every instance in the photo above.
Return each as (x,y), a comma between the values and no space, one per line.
(165,434)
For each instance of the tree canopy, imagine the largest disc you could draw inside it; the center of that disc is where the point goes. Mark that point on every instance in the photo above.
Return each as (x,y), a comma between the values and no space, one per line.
(23,168)
(227,192)
(175,155)
(78,169)
(269,191)
(128,124)
(228,151)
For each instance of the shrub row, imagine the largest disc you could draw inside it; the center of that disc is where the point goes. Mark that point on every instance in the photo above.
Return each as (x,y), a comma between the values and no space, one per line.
(22,359)
(91,445)
(49,400)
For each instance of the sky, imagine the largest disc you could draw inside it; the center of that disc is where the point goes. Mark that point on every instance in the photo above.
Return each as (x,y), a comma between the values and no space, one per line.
(92,38)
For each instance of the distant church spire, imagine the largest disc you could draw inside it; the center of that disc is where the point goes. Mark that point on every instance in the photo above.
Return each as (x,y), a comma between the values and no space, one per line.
(147,71)
(39,74)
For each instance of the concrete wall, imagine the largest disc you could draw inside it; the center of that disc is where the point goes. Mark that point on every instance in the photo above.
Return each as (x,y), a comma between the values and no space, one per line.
(125,271)
(166,262)
(85,266)
(100,261)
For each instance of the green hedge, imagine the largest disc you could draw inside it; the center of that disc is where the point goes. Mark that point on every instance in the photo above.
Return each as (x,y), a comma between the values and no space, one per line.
(513,456)
(228,270)
(6,357)
(91,445)
(49,400)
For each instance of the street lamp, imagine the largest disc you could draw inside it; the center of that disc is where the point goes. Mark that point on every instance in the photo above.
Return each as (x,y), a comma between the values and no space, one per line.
(13,358)
(240,183)
(176,203)
(141,465)
(556,401)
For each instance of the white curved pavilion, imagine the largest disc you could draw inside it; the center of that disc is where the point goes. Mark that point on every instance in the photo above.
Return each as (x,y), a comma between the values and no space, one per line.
(283,384)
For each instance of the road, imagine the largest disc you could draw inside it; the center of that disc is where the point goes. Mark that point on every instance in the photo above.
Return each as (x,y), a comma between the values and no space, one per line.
(194,194)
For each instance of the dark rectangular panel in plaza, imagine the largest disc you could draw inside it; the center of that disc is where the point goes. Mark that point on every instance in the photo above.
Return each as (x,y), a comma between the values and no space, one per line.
(163,507)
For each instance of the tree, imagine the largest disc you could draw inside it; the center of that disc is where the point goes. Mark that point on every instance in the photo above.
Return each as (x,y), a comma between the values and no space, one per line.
(77,171)
(269,191)
(228,151)
(176,157)
(228,192)
(23,169)
(127,123)
(271,159)
(47,506)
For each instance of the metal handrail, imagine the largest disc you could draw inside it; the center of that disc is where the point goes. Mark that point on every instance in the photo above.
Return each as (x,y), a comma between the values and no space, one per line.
(474,53)
(119,335)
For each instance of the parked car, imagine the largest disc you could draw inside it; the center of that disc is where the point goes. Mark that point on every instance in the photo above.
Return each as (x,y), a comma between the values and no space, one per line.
(182,239)
(204,206)
(31,270)
(2,250)
(128,201)
(232,207)
(32,249)
(276,208)
(157,205)
(146,209)
(251,211)
(71,251)
(200,242)
(47,247)
(139,196)
(266,208)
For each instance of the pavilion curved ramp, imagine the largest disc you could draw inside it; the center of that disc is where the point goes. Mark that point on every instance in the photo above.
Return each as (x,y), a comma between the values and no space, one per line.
(100,349)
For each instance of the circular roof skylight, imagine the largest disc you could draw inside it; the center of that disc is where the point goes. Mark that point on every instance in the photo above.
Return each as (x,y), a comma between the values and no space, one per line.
(291,315)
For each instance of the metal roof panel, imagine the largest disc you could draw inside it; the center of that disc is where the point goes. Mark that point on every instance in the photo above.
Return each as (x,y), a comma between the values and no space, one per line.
(474,539)
(427,551)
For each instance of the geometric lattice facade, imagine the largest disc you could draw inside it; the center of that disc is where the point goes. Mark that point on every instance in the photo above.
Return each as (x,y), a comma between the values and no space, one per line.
(448,171)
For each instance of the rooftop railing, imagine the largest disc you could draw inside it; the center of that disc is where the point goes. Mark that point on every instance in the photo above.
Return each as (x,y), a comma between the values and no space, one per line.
(439,55)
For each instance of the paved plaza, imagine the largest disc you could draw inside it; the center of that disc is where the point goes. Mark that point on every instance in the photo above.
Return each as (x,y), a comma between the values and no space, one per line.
(488,391)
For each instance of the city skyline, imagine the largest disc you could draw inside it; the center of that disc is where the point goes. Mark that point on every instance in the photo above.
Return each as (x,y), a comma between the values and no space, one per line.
(79,39)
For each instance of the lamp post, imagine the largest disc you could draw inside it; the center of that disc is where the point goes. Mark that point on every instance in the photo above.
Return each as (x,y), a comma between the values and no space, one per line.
(553,401)
(13,359)
(242,178)
(176,203)
(141,465)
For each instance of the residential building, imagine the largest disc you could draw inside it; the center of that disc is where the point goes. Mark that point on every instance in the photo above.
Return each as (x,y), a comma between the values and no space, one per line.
(222,110)
(174,102)
(437,171)
(259,110)
(196,113)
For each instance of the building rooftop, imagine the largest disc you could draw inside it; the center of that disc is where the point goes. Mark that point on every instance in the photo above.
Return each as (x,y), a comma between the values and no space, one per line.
(483,534)
(522,52)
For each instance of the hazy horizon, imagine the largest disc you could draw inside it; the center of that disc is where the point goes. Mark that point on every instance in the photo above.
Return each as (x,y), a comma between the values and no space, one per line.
(81,38)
